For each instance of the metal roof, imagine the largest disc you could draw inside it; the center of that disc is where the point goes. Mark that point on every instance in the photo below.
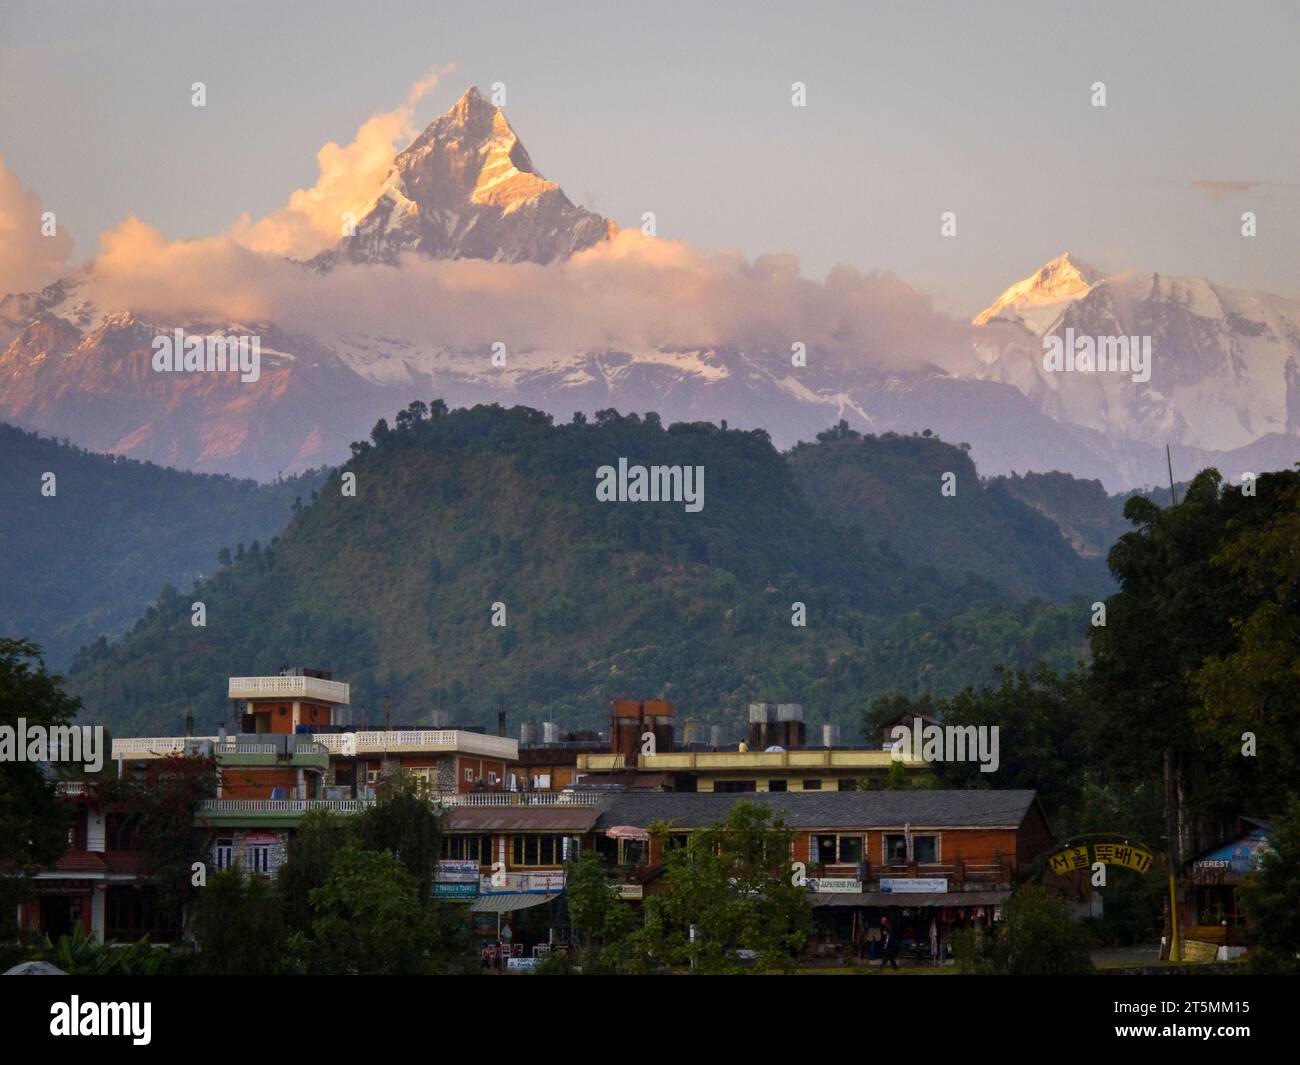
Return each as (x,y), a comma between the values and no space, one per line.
(909,899)
(557,818)
(509,901)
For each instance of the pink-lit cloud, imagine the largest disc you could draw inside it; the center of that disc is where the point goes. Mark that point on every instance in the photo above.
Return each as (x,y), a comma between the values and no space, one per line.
(33,251)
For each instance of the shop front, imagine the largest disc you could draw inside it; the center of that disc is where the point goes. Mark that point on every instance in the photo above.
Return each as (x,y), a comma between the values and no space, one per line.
(848,924)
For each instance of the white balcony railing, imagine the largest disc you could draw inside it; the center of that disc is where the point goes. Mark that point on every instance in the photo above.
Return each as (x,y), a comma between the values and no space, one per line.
(286,806)
(346,744)
(520,798)
(329,691)
(449,740)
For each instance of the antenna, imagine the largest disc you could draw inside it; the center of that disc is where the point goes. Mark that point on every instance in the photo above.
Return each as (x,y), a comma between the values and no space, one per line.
(1173,495)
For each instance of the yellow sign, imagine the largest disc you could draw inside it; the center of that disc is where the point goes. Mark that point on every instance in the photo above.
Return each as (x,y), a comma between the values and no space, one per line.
(1125,854)
(1069,860)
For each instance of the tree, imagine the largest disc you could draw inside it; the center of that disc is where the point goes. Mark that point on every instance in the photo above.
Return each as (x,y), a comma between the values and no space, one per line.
(161,802)
(734,886)
(1270,896)
(33,821)
(368,918)
(320,835)
(404,821)
(239,927)
(1038,938)
(602,922)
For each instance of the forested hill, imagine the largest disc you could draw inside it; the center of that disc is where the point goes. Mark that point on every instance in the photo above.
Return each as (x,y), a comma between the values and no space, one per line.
(394,588)
(84,553)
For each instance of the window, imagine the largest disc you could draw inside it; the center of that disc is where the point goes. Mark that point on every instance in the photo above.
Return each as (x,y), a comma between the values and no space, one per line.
(850,849)
(776,785)
(924,849)
(423,777)
(493,779)
(121,833)
(259,859)
(678,841)
(468,848)
(537,849)
(828,848)
(812,785)
(633,852)
(224,853)
(735,785)
(469,776)
(372,776)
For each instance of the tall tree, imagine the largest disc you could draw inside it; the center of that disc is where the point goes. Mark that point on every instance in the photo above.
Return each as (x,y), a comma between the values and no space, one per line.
(730,890)
(33,820)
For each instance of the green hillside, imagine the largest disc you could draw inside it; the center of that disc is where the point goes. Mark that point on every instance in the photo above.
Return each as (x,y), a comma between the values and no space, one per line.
(87,560)
(393,589)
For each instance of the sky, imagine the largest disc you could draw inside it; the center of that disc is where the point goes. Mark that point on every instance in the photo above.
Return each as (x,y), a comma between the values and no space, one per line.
(913,109)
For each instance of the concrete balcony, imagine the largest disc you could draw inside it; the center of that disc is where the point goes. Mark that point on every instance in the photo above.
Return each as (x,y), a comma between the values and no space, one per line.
(808,758)
(418,741)
(324,691)
(520,798)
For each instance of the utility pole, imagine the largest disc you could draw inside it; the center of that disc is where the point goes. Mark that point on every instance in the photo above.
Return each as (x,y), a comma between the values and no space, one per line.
(1169,461)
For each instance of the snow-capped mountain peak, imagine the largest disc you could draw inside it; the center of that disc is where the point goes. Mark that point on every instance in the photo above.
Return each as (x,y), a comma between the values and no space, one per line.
(1038,298)
(467,188)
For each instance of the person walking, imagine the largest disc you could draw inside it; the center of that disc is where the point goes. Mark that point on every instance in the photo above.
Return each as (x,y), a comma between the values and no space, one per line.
(888,945)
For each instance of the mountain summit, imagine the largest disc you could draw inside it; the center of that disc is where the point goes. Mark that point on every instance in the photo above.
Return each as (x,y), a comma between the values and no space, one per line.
(1045,291)
(466,188)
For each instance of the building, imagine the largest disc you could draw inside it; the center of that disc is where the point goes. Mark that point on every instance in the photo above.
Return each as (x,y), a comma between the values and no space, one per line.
(1211,913)
(950,858)
(775,758)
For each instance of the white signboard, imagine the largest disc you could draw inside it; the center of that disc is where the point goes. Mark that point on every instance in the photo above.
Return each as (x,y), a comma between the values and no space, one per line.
(901,885)
(544,883)
(835,885)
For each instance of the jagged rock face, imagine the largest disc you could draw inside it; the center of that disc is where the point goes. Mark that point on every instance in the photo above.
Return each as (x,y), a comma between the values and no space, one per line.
(1219,356)
(467,189)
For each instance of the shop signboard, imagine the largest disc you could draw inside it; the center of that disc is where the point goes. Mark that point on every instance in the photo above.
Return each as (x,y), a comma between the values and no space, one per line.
(933,885)
(458,872)
(835,885)
(444,890)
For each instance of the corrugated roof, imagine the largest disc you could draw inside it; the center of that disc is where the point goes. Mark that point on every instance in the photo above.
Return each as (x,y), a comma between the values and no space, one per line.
(909,899)
(509,901)
(558,818)
(828,809)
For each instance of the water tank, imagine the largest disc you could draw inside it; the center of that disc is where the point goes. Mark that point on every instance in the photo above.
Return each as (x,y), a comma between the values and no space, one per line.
(527,733)
(789,711)
(760,713)
(830,735)
(441,718)
(690,731)
(550,732)
(715,735)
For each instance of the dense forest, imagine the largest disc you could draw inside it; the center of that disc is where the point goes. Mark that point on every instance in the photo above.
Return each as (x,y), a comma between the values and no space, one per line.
(83,554)
(393,588)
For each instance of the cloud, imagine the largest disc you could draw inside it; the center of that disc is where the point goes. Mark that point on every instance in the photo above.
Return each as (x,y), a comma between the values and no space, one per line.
(1215,191)
(350,176)
(29,259)
(631,293)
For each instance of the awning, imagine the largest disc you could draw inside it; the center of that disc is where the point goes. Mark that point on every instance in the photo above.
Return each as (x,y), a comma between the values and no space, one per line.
(910,899)
(627,832)
(509,901)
